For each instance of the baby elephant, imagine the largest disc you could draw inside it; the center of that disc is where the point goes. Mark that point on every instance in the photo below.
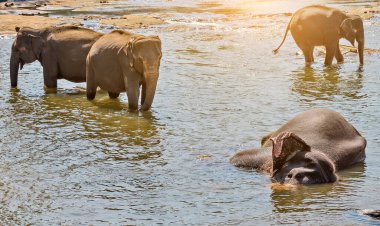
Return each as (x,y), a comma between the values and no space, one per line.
(121,61)
(308,149)
(323,26)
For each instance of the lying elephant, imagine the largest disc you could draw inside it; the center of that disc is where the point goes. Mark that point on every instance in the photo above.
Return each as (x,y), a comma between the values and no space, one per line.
(62,52)
(121,61)
(308,149)
(323,26)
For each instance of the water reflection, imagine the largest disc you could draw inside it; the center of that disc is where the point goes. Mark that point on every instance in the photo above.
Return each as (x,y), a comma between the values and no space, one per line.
(104,123)
(306,198)
(327,83)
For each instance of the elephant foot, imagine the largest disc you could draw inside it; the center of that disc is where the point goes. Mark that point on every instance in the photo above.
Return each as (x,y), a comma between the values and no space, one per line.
(90,96)
(308,64)
(50,89)
(113,95)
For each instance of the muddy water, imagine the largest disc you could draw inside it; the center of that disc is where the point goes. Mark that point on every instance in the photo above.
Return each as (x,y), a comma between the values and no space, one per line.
(65,160)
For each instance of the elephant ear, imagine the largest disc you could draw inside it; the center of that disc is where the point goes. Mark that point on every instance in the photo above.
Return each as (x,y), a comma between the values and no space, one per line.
(347,30)
(130,52)
(285,146)
(37,45)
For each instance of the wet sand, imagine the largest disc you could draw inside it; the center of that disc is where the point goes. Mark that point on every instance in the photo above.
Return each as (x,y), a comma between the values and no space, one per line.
(36,14)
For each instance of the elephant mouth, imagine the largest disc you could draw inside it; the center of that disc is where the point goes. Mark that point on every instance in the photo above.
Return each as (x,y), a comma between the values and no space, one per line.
(22,62)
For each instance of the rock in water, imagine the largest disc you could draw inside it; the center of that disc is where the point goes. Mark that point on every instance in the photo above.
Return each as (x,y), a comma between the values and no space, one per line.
(372,213)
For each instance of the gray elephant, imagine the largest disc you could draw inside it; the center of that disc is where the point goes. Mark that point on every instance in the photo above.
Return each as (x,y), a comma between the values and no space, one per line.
(62,52)
(323,26)
(121,61)
(308,149)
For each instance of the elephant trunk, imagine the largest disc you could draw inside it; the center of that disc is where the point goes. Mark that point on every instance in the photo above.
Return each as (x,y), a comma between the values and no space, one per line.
(361,50)
(357,24)
(149,90)
(14,66)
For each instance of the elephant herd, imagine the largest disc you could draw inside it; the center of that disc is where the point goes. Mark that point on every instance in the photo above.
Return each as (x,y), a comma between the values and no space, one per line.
(116,62)
(308,149)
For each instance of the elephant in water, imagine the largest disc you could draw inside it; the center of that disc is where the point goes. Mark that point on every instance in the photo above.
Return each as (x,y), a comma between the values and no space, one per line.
(121,61)
(323,26)
(308,149)
(62,52)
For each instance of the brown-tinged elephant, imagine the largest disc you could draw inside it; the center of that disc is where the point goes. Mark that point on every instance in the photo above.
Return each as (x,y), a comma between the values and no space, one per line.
(324,26)
(123,62)
(62,52)
(308,149)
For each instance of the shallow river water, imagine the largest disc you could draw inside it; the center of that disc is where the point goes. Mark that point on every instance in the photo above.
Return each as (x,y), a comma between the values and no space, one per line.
(66,160)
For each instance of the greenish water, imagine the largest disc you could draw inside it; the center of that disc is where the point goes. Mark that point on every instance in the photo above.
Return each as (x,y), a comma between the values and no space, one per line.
(65,160)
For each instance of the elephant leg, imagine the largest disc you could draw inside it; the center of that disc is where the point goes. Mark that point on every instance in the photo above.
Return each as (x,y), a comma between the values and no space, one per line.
(133,92)
(330,53)
(113,95)
(338,54)
(312,53)
(308,54)
(143,92)
(50,71)
(90,82)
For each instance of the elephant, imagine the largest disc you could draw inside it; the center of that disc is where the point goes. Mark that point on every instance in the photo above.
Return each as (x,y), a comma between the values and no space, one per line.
(123,62)
(323,26)
(62,52)
(308,149)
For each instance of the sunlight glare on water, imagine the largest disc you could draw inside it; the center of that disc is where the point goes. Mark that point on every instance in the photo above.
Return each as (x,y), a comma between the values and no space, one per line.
(67,160)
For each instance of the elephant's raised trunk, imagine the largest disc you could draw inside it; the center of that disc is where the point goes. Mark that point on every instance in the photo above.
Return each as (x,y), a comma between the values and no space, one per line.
(148,91)
(14,66)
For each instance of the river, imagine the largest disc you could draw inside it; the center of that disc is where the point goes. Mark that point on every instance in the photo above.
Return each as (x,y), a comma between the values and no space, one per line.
(66,160)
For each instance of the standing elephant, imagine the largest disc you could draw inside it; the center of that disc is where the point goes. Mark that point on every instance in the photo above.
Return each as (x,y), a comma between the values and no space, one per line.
(62,52)
(121,61)
(308,149)
(323,26)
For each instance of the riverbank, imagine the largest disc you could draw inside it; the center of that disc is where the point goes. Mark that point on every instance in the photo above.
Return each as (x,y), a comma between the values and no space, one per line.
(69,12)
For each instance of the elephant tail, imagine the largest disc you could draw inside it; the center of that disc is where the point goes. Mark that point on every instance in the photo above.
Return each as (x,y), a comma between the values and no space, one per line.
(275,51)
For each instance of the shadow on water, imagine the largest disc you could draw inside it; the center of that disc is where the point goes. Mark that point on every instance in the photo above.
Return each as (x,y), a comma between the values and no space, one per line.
(327,83)
(308,198)
(103,123)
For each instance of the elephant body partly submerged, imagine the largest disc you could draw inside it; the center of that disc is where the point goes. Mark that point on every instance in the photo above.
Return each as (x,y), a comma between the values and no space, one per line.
(323,26)
(62,52)
(123,62)
(308,149)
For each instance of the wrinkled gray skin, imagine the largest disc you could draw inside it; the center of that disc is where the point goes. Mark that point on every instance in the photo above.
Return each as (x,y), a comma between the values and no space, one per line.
(308,149)
(123,62)
(323,26)
(62,52)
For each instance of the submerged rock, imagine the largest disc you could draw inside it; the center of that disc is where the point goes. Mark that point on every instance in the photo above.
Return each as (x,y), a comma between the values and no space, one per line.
(371,213)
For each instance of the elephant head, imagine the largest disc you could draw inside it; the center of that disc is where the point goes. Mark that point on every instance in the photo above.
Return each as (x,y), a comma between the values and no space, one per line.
(295,163)
(144,55)
(26,48)
(352,29)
